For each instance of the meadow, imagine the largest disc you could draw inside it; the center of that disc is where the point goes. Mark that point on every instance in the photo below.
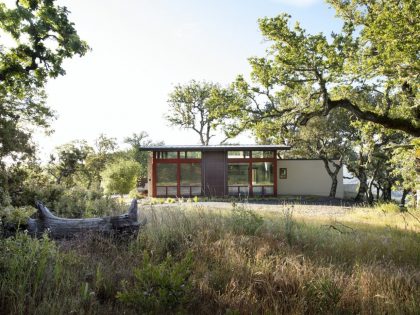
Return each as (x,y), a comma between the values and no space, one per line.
(194,259)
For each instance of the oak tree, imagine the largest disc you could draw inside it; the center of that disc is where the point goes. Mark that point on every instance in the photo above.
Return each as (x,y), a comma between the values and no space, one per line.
(370,68)
(40,37)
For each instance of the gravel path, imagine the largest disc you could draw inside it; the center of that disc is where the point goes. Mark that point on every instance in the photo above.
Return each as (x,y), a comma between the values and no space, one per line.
(304,209)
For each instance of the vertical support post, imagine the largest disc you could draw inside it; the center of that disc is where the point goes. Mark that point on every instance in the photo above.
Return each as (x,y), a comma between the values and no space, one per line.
(275,174)
(154,175)
(178,175)
(251,191)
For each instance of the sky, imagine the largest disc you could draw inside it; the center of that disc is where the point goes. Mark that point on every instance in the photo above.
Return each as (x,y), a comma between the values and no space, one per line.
(141,49)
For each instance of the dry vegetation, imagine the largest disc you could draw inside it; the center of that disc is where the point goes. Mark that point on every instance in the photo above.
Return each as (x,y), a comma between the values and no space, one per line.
(194,260)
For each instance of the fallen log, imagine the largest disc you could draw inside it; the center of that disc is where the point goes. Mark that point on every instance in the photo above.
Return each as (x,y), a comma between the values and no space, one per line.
(57,227)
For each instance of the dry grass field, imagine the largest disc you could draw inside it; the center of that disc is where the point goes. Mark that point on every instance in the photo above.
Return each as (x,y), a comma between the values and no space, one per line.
(212,259)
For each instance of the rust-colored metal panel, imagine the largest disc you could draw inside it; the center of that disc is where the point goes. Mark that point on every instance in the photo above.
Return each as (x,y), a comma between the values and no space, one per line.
(214,173)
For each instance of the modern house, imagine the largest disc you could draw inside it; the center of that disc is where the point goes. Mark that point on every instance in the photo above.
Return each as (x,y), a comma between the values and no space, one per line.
(222,170)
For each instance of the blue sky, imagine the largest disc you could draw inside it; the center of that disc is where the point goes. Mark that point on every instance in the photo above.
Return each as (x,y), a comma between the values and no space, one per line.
(141,49)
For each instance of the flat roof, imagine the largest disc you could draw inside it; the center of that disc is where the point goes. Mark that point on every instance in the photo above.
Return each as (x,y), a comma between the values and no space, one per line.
(250,147)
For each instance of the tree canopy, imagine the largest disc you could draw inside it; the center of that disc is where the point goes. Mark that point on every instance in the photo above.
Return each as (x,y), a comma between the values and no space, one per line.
(120,176)
(370,68)
(41,38)
(198,106)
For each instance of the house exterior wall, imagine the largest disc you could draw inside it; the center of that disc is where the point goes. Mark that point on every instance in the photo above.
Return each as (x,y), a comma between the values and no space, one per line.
(306,177)
(214,173)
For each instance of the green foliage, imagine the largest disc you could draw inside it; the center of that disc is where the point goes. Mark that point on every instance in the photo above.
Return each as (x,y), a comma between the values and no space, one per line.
(120,176)
(198,106)
(388,207)
(245,221)
(367,69)
(68,161)
(135,194)
(43,38)
(73,202)
(97,160)
(159,288)
(78,202)
(16,216)
(30,268)
(406,165)
(138,141)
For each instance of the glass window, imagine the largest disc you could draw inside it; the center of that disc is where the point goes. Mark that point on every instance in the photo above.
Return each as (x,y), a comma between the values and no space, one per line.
(238,154)
(166,174)
(262,154)
(238,174)
(262,173)
(257,190)
(190,174)
(167,155)
(195,191)
(172,191)
(191,155)
(238,190)
(161,191)
(268,190)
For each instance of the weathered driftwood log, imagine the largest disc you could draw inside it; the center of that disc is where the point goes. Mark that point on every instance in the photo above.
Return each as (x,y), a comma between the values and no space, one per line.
(58,227)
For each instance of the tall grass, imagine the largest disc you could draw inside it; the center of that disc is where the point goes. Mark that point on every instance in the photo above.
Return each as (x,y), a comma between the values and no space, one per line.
(191,260)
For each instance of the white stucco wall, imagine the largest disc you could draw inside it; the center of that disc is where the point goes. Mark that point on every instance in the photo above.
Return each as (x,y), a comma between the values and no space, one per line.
(306,177)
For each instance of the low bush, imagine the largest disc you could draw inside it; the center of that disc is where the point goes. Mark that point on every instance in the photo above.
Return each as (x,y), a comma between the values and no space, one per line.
(245,221)
(159,288)
(32,274)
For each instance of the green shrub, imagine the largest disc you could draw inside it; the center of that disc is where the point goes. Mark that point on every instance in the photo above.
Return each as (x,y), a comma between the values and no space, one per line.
(120,176)
(78,202)
(389,207)
(159,288)
(245,221)
(32,274)
(16,215)
(135,194)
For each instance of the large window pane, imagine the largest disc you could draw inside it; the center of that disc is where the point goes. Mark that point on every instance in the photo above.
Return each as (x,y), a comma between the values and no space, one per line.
(191,155)
(262,173)
(166,174)
(238,154)
(238,174)
(167,155)
(190,174)
(262,154)
(160,191)
(238,190)
(172,191)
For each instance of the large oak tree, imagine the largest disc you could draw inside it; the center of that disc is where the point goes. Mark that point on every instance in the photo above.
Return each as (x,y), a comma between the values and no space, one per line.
(40,37)
(370,68)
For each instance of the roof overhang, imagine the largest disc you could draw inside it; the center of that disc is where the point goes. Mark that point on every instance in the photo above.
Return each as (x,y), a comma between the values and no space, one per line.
(206,148)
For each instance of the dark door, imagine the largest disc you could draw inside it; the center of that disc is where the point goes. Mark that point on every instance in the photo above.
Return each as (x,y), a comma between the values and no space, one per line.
(214,173)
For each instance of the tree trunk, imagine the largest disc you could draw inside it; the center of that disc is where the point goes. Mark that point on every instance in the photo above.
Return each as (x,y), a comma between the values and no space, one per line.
(334,185)
(386,195)
(363,188)
(333,174)
(370,195)
(404,195)
(64,228)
